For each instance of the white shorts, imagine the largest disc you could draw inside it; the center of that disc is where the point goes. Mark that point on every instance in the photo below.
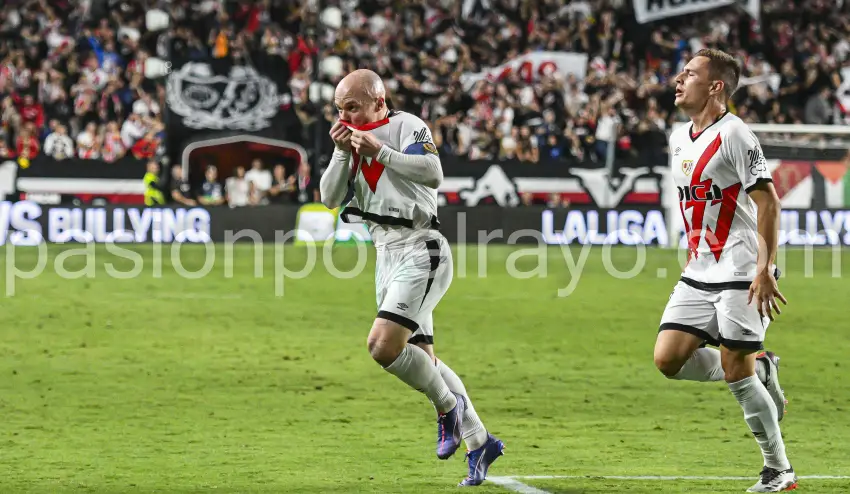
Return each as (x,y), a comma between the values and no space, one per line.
(720,317)
(409,283)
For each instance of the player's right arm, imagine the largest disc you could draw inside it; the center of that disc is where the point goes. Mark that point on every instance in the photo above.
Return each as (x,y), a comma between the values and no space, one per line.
(334,182)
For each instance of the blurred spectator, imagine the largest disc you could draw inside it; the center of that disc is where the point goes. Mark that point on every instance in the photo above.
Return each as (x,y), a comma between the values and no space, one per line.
(607,131)
(132,130)
(237,189)
(527,146)
(181,192)
(6,152)
(87,143)
(147,146)
(819,107)
(27,145)
(113,146)
(282,186)
(305,188)
(260,178)
(211,191)
(58,145)
(32,112)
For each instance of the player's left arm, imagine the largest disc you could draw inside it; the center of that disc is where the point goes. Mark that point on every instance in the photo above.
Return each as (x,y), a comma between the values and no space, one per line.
(746,153)
(415,163)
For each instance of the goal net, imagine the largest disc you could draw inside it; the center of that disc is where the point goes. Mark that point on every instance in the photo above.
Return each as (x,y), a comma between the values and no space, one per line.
(809,165)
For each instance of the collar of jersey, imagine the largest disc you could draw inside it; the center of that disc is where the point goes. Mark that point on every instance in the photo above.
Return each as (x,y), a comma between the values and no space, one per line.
(370,125)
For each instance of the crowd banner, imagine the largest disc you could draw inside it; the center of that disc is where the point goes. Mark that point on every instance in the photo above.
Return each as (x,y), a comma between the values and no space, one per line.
(508,183)
(653,10)
(225,97)
(50,181)
(531,67)
(800,183)
(26,223)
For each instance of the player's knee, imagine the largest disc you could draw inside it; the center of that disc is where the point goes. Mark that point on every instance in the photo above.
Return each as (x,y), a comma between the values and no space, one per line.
(380,351)
(668,364)
(735,373)
(737,364)
(384,349)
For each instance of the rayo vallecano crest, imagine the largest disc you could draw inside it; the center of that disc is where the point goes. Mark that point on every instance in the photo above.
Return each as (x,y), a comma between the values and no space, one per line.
(687,166)
(242,100)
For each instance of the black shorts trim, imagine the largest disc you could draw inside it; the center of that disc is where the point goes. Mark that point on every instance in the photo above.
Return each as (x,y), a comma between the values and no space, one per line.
(717,287)
(383,219)
(759,181)
(390,316)
(421,338)
(700,333)
(433,247)
(742,345)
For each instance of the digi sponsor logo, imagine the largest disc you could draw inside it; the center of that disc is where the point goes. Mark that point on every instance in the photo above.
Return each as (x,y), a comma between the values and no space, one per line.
(700,192)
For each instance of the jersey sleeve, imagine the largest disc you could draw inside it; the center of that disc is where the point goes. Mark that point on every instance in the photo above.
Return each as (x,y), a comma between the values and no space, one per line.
(743,150)
(416,139)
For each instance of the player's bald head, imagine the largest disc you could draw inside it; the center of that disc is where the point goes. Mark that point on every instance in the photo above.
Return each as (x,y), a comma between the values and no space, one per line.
(361,84)
(360,97)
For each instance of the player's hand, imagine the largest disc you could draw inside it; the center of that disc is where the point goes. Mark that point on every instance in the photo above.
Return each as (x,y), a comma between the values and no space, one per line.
(341,135)
(365,144)
(765,291)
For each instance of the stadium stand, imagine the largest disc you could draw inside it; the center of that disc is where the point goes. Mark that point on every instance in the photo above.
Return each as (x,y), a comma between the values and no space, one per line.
(73,77)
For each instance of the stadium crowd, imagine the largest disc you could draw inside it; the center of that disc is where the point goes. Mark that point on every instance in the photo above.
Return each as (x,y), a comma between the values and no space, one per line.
(73,86)
(791,60)
(72,79)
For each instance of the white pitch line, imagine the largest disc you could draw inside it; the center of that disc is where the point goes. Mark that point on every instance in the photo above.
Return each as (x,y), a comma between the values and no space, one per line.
(664,477)
(511,484)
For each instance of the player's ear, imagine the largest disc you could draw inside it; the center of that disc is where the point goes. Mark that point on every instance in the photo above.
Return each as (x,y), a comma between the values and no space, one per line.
(718,87)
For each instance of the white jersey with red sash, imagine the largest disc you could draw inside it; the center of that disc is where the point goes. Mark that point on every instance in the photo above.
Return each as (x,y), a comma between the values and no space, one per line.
(392,206)
(714,171)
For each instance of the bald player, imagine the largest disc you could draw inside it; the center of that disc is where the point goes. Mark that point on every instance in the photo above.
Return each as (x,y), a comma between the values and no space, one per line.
(391,158)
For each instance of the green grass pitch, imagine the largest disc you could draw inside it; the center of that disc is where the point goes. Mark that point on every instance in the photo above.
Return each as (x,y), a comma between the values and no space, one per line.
(161,383)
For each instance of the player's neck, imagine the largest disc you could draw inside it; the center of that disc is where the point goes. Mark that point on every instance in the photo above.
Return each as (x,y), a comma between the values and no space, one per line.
(709,114)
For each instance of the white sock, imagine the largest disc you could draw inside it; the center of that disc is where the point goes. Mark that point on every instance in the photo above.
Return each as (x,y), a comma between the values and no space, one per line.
(704,365)
(474,433)
(414,367)
(760,415)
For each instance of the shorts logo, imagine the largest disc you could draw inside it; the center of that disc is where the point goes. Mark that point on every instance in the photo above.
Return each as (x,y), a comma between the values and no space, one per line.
(747,332)
(402,306)
(688,166)
(429,147)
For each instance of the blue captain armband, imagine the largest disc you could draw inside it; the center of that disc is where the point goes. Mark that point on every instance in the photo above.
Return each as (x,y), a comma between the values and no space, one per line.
(421,148)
